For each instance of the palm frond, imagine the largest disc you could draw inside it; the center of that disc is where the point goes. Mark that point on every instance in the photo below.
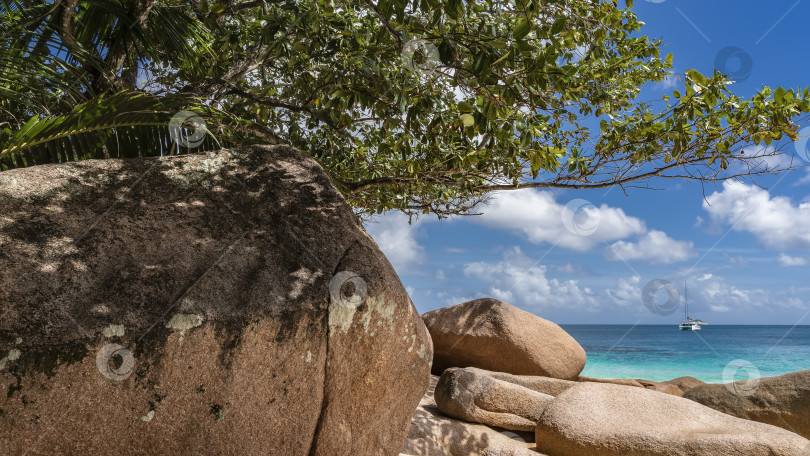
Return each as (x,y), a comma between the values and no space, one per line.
(118,126)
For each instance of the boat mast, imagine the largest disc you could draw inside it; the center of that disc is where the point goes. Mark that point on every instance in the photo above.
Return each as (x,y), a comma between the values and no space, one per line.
(685,300)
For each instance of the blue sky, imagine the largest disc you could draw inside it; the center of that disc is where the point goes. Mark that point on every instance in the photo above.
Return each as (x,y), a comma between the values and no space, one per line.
(585,256)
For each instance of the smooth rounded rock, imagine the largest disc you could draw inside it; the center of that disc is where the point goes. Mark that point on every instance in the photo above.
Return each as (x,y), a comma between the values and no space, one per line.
(685,383)
(599,419)
(432,433)
(496,336)
(475,396)
(219,303)
(782,401)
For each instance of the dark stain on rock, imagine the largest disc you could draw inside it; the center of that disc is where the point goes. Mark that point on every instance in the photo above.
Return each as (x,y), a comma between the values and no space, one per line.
(47,359)
(33,229)
(229,334)
(216,410)
(150,349)
(14,388)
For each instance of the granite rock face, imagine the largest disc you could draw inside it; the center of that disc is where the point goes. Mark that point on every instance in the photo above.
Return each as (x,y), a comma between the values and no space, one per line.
(473,395)
(224,303)
(496,336)
(600,419)
(685,383)
(782,401)
(432,433)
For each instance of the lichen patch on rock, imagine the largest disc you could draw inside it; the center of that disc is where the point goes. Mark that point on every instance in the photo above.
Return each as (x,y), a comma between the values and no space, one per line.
(113,331)
(13,355)
(183,322)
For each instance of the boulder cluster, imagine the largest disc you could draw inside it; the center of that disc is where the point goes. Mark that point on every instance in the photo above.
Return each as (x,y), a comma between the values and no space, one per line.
(526,397)
(230,303)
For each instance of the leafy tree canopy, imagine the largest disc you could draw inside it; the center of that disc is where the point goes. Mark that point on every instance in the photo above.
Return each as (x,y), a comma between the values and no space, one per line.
(417,105)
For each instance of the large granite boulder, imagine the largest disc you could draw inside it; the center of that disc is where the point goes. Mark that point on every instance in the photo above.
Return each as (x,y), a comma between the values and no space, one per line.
(614,381)
(782,401)
(600,419)
(432,433)
(224,303)
(545,385)
(475,396)
(686,383)
(667,388)
(497,336)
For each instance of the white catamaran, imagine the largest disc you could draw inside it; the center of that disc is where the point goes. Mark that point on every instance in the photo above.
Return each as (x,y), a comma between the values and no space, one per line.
(689,324)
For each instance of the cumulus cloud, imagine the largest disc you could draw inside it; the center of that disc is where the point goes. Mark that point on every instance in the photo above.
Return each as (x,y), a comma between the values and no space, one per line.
(654,246)
(627,293)
(761,157)
(787,260)
(775,221)
(398,240)
(804,179)
(541,219)
(519,280)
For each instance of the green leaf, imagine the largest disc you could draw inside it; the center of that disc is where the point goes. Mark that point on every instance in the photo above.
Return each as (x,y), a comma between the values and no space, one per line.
(465,107)
(522,28)
(558,25)
(467,120)
(218,8)
(779,95)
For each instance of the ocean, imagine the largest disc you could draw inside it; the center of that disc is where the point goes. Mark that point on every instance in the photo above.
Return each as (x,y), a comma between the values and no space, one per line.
(716,354)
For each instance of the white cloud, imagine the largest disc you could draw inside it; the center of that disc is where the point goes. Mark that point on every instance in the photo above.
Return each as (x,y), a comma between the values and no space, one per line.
(804,179)
(542,219)
(449,299)
(568,268)
(669,82)
(787,260)
(398,240)
(654,246)
(519,281)
(761,158)
(627,293)
(775,221)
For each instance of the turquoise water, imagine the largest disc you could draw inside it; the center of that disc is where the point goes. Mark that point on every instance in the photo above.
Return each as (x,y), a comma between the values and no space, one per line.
(663,352)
